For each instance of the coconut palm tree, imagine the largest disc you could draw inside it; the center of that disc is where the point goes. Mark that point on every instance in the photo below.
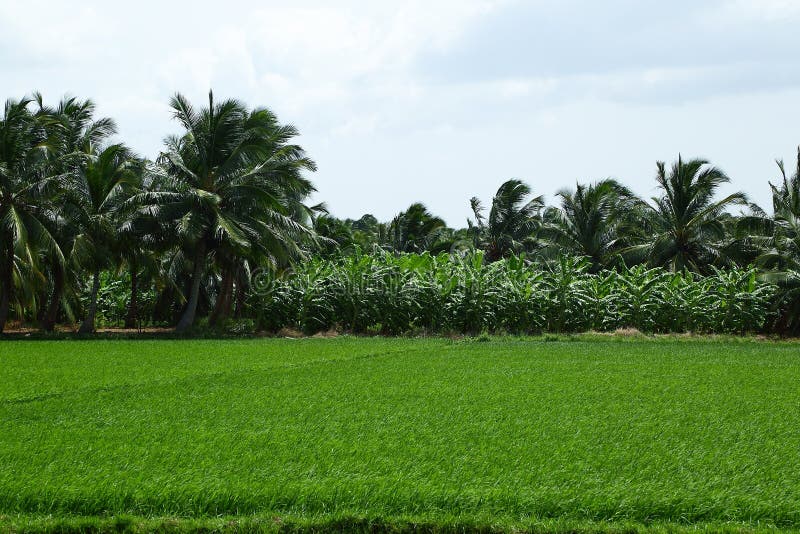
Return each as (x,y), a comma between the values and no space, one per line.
(782,248)
(337,233)
(512,222)
(594,221)
(415,229)
(779,240)
(689,230)
(75,134)
(234,184)
(95,197)
(26,192)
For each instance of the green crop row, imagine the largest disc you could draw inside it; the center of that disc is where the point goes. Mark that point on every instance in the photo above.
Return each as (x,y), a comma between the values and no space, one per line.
(397,294)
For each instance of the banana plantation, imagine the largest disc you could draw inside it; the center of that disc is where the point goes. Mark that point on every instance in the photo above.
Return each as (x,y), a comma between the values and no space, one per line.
(418,292)
(218,233)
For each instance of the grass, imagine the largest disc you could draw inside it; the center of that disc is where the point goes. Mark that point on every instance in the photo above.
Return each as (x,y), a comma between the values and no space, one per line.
(399,434)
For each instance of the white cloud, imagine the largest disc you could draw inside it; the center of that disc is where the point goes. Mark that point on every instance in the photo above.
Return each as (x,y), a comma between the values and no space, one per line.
(438,100)
(764,10)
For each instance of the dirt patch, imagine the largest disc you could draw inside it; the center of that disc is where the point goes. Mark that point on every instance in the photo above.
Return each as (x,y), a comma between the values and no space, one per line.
(330,333)
(290,333)
(628,332)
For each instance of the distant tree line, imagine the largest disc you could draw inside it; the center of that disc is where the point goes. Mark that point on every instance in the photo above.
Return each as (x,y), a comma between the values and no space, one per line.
(92,232)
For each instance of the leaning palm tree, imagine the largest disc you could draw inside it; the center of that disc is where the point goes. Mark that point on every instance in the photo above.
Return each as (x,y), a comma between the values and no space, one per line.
(593,222)
(95,196)
(26,198)
(689,230)
(512,221)
(234,180)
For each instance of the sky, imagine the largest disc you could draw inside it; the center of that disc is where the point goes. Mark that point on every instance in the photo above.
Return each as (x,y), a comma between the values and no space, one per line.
(441,100)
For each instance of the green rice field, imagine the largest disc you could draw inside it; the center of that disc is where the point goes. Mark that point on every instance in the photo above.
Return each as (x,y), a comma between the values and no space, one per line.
(373,434)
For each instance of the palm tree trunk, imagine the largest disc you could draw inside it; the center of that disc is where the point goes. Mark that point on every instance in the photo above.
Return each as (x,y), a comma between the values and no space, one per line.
(5,304)
(42,296)
(227,309)
(223,304)
(6,283)
(49,321)
(187,319)
(241,294)
(132,318)
(88,324)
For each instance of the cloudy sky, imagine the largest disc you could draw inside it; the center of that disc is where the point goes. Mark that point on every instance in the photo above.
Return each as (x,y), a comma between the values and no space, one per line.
(440,100)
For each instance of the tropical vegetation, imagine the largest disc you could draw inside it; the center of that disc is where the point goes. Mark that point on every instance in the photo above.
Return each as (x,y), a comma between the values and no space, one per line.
(422,293)
(94,235)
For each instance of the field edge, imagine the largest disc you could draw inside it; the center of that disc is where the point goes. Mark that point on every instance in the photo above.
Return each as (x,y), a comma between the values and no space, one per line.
(278,523)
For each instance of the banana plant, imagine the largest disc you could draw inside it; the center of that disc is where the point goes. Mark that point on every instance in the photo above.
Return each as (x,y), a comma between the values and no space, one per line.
(400,293)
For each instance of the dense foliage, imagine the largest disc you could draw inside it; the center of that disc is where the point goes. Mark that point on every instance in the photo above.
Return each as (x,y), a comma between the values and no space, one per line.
(93,234)
(448,294)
